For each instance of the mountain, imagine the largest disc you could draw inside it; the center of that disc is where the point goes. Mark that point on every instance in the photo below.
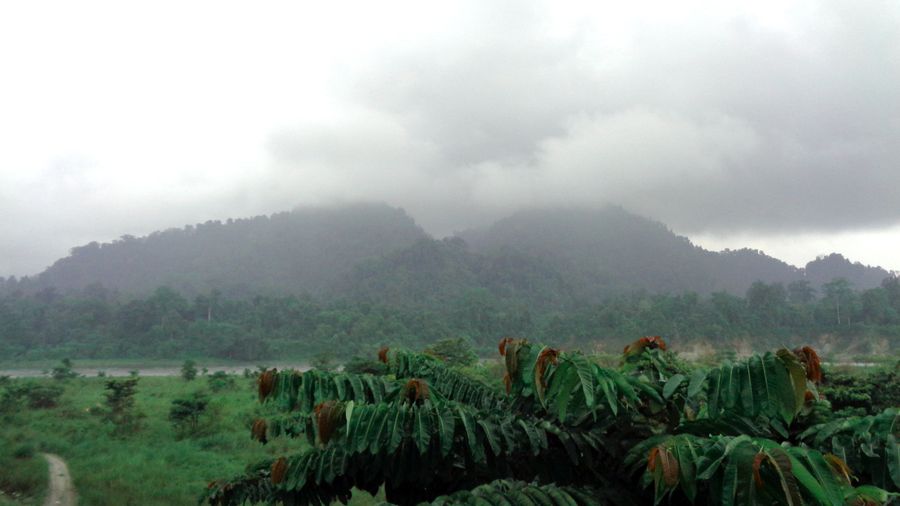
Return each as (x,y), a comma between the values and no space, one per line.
(541,259)
(609,250)
(826,268)
(302,251)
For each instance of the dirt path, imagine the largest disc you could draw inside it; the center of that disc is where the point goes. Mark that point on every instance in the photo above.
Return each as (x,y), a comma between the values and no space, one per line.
(60,491)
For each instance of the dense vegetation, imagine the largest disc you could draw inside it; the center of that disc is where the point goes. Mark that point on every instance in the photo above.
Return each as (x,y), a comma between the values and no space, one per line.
(98,324)
(568,431)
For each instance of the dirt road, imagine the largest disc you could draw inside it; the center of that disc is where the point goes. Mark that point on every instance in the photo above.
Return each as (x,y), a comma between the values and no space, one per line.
(60,492)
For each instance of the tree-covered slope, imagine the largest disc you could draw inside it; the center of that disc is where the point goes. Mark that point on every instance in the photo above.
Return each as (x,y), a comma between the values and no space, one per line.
(547,259)
(438,272)
(824,269)
(303,251)
(609,250)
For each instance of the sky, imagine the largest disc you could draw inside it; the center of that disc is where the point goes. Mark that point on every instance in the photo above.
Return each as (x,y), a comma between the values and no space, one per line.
(765,124)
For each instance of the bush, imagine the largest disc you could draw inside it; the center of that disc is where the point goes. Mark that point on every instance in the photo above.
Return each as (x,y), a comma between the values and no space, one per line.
(120,410)
(324,362)
(220,380)
(454,352)
(189,370)
(31,394)
(187,415)
(359,365)
(23,451)
(64,371)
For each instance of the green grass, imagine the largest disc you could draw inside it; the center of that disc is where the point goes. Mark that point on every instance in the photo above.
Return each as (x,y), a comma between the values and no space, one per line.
(149,466)
(23,475)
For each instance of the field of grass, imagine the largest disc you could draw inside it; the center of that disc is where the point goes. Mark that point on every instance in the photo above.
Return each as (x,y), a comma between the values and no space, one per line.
(23,475)
(151,465)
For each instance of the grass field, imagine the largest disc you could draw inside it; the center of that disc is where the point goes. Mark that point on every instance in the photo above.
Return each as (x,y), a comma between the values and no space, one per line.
(148,466)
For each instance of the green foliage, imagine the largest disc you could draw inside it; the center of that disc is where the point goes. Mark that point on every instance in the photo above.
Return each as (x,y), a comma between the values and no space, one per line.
(869,392)
(736,434)
(517,493)
(361,365)
(733,470)
(187,415)
(120,408)
(22,393)
(324,361)
(63,371)
(868,444)
(189,370)
(450,383)
(220,380)
(23,476)
(292,390)
(453,352)
(772,385)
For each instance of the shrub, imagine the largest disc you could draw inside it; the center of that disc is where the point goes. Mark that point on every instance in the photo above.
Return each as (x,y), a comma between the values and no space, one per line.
(23,451)
(360,365)
(189,370)
(64,371)
(454,352)
(187,414)
(120,410)
(220,380)
(31,394)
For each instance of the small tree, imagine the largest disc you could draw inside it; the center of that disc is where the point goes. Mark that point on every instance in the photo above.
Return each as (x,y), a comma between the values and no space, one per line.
(64,371)
(120,409)
(189,370)
(186,414)
(220,380)
(454,352)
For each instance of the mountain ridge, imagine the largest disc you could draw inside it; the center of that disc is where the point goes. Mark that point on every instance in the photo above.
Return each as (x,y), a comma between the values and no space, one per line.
(540,257)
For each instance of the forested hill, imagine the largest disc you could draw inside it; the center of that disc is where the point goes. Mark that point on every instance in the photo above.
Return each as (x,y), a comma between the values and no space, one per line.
(302,251)
(545,259)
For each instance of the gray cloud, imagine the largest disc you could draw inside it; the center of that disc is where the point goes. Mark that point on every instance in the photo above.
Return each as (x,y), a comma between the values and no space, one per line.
(718,122)
(720,127)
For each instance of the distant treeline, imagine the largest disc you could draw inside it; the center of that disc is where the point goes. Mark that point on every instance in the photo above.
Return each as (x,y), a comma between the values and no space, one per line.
(97,323)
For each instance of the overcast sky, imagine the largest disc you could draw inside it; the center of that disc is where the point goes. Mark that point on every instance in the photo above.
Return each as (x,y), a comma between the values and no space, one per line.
(769,124)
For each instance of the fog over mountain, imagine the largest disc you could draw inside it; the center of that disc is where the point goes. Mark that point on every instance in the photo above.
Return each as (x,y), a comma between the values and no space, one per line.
(771,125)
(545,258)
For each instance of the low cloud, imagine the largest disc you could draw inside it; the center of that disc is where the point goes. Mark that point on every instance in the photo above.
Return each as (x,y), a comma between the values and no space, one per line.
(723,125)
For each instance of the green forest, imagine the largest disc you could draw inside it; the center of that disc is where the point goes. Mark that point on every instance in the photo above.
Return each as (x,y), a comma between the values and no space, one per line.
(167,324)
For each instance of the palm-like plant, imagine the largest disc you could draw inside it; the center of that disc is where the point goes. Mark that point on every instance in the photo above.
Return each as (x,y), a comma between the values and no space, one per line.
(567,431)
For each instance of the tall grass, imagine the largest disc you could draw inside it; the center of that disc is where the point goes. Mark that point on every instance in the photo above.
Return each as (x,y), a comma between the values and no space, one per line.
(150,465)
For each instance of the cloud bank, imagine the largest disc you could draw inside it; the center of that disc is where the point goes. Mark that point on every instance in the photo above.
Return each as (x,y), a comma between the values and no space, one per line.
(758,122)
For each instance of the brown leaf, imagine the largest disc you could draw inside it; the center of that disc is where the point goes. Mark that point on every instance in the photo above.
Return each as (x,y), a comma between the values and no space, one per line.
(329,416)
(266,383)
(279,468)
(258,432)
(416,390)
